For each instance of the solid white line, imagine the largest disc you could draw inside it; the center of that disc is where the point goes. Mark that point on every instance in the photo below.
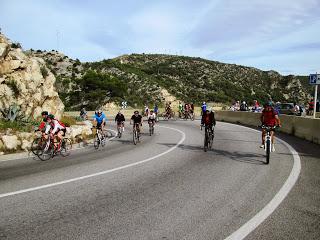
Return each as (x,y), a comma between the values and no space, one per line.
(254,222)
(99,173)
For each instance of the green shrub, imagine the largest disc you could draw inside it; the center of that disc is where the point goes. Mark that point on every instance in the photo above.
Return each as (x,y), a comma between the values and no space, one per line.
(16,45)
(68,120)
(44,71)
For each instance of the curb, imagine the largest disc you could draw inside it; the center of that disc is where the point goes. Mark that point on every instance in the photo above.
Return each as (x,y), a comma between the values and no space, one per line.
(24,155)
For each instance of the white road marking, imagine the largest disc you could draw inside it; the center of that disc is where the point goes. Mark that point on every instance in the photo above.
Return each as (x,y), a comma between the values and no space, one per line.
(254,222)
(99,173)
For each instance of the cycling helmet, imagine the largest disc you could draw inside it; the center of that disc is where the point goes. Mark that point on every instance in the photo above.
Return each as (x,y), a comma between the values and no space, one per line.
(50,116)
(99,111)
(136,112)
(45,113)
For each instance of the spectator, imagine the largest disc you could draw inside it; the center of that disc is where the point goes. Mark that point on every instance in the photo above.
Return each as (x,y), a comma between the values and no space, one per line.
(310,107)
(243,106)
(296,109)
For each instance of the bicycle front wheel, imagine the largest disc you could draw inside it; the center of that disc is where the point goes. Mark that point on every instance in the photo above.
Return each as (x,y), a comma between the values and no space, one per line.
(135,137)
(46,152)
(36,146)
(268,150)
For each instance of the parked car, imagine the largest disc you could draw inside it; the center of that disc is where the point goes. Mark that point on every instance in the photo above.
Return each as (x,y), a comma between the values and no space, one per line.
(288,108)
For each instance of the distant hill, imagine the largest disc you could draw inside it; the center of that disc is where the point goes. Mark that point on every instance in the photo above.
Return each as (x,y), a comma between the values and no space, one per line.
(144,78)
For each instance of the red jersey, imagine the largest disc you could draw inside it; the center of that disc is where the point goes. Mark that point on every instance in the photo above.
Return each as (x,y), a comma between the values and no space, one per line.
(269,117)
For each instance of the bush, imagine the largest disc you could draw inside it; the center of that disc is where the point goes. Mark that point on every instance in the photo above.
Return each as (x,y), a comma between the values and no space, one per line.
(44,71)
(16,45)
(68,121)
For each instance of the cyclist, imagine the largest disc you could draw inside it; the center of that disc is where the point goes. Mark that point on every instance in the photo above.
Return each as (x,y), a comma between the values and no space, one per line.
(56,129)
(151,118)
(136,120)
(203,108)
(120,119)
(146,110)
(270,118)
(186,110)
(208,119)
(192,108)
(156,109)
(83,114)
(100,119)
(180,109)
(43,124)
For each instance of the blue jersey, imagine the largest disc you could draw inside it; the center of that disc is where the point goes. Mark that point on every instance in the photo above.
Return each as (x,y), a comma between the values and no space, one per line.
(156,109)
(99,119)
(204,107)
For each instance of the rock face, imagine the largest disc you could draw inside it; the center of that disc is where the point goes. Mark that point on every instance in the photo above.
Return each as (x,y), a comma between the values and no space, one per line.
(26,81)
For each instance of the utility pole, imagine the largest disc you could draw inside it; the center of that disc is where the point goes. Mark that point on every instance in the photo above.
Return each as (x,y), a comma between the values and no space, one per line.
(314,79)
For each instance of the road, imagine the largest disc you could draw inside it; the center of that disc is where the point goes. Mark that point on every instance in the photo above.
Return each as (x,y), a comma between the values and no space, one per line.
(166,187)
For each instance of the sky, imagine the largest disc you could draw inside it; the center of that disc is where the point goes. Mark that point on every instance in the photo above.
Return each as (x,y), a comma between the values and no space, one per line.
(280,35)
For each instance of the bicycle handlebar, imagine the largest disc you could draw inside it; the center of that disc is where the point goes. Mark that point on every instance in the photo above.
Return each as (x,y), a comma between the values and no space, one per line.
(268,128)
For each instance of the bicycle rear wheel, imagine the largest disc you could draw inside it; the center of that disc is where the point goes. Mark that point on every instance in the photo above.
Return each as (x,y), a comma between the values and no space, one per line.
(119,132)
(66,147)
(96,142)
(205,144)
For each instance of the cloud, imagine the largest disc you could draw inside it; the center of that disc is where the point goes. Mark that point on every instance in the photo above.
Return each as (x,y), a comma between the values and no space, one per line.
(266,34)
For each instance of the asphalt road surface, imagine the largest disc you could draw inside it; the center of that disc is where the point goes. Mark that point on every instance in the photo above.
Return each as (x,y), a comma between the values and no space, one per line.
(165,187)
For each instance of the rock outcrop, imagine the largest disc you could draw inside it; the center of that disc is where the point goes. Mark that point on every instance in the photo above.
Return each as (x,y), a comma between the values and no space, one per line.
(26,81)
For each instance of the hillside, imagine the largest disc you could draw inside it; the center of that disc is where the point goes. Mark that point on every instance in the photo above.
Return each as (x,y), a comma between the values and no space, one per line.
(26,84)
(143,78)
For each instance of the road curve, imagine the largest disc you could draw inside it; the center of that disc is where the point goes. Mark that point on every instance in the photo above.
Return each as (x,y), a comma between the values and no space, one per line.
(183,193)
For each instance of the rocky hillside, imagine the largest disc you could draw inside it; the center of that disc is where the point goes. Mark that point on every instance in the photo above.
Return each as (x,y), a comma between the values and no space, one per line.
(144,78)
(26,82)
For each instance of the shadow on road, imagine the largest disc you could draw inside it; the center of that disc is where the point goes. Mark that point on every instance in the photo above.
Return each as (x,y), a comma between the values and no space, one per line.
(245,157)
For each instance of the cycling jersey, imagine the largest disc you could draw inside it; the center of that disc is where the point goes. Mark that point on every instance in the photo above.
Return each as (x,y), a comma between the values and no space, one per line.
(152,117)
(43,125)
(268,118)
(204,107)
(120,118)
(99,119)
(208,119)
(136,119)
(156,109)
(56,126)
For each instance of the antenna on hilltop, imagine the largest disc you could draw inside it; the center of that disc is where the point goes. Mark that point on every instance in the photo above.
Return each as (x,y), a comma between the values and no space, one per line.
(58,39)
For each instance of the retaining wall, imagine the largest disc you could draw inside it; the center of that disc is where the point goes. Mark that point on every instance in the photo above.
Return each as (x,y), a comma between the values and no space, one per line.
(302,127)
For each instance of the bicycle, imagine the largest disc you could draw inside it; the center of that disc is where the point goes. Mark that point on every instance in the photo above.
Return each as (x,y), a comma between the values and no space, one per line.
(267,141)
(151,127)
(99,139)
(136,135)
(45,149)
(208,137)
(120,129)
(169,115)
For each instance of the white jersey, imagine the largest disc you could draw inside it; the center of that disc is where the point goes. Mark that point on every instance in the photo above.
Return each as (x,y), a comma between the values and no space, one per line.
(56,127)
(152,116)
